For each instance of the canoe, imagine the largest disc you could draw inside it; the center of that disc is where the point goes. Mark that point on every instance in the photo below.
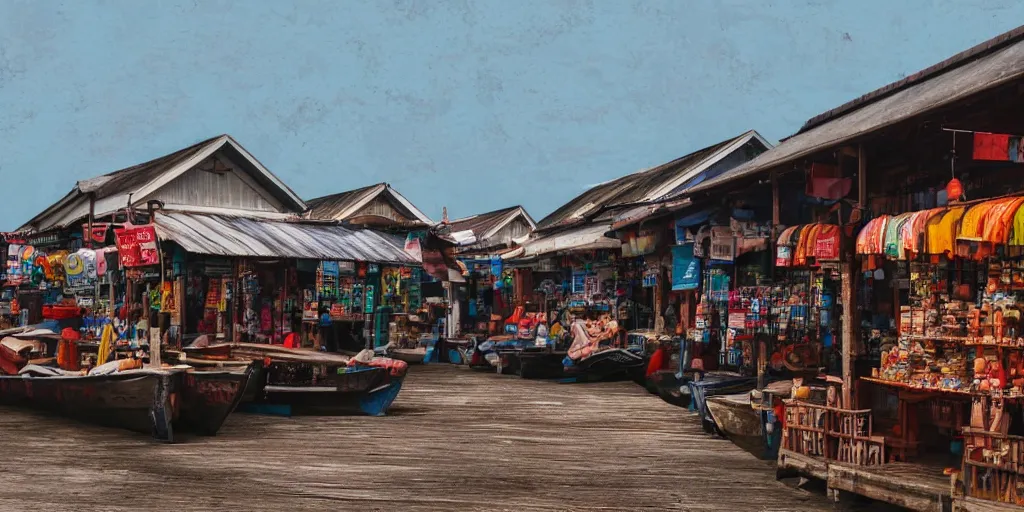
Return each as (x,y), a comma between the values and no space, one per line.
(136,400)
(608,364)
(209,396)
(301,381)
(291,389)
(715,384)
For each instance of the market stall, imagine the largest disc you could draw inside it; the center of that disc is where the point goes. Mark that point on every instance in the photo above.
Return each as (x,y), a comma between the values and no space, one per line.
(948,392)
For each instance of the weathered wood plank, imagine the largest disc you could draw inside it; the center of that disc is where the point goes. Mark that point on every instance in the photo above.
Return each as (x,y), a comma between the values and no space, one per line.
(457,440)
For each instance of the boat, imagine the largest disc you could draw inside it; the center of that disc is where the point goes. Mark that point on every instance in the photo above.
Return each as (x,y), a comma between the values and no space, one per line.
(136,400)
(208,396)
(409,355)
(736,419)
(716,384)
(302,381)
(536,362)
(607,364)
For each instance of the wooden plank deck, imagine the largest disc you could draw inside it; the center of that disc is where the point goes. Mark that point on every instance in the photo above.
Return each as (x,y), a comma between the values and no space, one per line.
(458,440)
(913,486)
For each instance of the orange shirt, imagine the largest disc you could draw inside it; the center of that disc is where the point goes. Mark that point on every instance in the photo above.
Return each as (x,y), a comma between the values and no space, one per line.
(997,222)
(972,223)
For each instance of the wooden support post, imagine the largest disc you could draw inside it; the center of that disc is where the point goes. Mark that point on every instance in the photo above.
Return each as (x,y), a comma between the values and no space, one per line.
(92,211)
(848,271)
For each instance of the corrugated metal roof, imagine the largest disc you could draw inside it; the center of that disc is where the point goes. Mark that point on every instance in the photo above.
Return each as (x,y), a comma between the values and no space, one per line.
(577,239)
(223,235)
(333,206)
(647,185)
(956,84)
(485,223)
(345,205)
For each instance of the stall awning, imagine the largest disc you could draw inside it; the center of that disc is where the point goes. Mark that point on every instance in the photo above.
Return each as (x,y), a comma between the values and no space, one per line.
(578,239)
(223,235)
(798,245)
(941,230)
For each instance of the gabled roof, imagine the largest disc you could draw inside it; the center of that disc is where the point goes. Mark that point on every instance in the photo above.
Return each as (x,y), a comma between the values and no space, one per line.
(111,191)
(647,185)
(344,205)
(989,65)
(486,225)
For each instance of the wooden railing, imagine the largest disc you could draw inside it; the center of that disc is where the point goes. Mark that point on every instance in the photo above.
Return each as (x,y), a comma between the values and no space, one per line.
(841,435)
(993,466)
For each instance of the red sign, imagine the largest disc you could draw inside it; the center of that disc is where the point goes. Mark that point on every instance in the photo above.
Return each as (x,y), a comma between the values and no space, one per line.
(826,247)
(136,246)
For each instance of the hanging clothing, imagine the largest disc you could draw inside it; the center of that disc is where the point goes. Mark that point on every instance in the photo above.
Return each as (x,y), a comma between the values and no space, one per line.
(942,229)
(893,236)
(997,223)
(972,223)
(1017,234)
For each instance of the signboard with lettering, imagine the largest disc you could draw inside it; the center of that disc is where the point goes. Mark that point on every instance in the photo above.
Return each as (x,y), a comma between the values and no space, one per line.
(136,246)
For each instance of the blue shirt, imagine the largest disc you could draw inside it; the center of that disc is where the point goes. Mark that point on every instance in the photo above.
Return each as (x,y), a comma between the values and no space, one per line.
(325,319)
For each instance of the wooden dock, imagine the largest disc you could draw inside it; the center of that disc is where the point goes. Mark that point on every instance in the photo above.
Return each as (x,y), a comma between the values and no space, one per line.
(457,440)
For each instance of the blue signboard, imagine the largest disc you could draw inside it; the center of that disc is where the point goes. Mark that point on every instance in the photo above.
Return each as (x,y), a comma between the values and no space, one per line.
(685,268)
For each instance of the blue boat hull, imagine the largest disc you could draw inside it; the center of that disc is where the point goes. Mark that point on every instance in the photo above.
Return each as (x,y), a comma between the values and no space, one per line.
(360,391)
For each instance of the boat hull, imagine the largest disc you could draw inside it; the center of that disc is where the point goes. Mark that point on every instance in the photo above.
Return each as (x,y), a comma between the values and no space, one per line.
(613,364)
(355,391)
(135,401)
(413,356)
(539,363)
(208,397)
(702,389)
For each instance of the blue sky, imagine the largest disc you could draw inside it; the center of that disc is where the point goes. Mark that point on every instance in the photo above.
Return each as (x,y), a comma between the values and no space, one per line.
(473,105)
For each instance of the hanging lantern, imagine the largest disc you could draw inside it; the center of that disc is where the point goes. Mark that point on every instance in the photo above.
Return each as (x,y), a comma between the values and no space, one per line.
(954,189)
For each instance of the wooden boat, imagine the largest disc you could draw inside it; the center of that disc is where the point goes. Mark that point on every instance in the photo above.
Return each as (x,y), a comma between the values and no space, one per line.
(301,381)
(715,384)
(409,355)
(136,400)
(734,418)
(293,389)
(533,362)
(16,352)
(208,396)
(607,364)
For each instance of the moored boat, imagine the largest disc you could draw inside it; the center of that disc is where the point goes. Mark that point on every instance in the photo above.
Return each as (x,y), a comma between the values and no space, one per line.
(301,381)
(207,397)
(737,420)
(716,384)
(136,400)
(607,364)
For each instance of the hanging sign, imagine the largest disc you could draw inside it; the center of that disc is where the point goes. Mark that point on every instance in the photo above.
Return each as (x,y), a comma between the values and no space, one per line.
(783,256)
(136,246)
(826,246)
(685,268)
(44,239)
